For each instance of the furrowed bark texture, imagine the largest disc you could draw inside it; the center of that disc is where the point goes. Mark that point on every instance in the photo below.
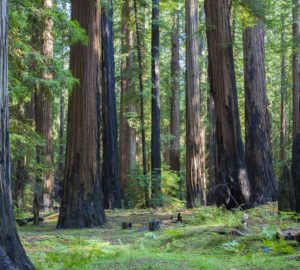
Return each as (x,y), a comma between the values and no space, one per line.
(156,195)
(111,176)
(257,144)
(232,184)
(82,203)
(195,157)
(12,254)
(128,108)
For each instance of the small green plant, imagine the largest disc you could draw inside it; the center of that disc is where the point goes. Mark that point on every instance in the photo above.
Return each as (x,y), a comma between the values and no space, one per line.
(234,247)
(280,246)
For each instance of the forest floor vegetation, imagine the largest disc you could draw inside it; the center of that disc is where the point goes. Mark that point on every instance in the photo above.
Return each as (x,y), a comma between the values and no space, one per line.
(205,239)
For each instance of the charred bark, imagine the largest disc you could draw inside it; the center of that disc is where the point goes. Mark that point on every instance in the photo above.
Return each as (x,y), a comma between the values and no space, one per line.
(12,254)
(232,184)
(82,202)
(257,144)
(156,195)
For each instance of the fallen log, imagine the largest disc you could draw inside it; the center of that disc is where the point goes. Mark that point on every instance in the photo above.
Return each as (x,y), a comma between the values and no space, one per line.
(290,235)
(25,221)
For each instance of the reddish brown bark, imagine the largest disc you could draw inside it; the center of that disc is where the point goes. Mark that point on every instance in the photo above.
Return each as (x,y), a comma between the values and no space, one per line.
(82,202)
(258,141)
(232,184)
(195,156)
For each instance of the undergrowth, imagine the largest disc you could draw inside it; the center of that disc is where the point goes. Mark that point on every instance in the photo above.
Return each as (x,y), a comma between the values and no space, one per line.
(196,243)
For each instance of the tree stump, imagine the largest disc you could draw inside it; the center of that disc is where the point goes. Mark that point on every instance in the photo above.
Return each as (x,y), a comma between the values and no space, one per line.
(154,226)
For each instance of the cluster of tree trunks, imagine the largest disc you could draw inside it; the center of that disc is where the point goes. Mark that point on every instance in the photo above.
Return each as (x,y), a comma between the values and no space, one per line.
(82,202)
(231,187)
(12,254)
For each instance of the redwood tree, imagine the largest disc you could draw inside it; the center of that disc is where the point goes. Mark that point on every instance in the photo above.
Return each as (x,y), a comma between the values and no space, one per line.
(296,103)
(127,133)
(43,112)
(296,67)
(82,202)
(195,157)
(232,185)
(111,176)
(155,109)
(175,99)
(257,144)
(12,254)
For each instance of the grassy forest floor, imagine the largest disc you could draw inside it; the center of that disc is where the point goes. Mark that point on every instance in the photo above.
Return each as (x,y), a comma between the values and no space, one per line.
(196,243)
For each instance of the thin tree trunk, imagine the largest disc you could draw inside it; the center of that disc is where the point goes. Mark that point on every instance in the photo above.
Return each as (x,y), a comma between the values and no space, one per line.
(12,254)
(43,121)
(174,100)
(296,67)
(141,85)
(156,194)
(283,111)
(127,133)
(82,202)
(111,176)
(212,185)
(286,193)
(195,174)
(232,184)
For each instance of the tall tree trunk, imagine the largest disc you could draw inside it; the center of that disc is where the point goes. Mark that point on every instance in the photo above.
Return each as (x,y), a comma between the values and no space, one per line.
(175,99)
(156,195)
(127,133)
(283,90)
(296,103)
(258,144)
(296,67)
(286,194)
(296,171)
(195,174)
(43,121)
(212,185)
(12,254)
(141,85)
(60,168)
(232,184)
(82,202)
(111,177)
